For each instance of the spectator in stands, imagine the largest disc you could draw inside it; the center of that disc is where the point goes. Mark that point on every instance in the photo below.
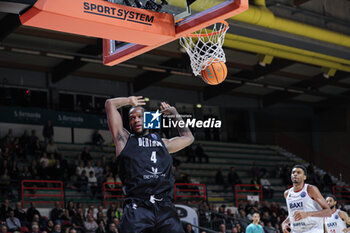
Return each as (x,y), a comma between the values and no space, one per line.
(256,182)
(51,148)
(82,182)
(101,227)
(90,225)
(57,213)
(63,161)
(233,178)
(9,135)
(57,171)
(219,177)
(5,210)
(99,211)
(269,228)
(112,228)
(6,154)
(20,213)
(57,228)
(100,216)
(267,188)
(13,170)
(24,140)
(111,212)
(78,220)
(12,222)
(97,139)
(98,169)
(5,181)
(90,210)
(254,227)
(199,152)
(239,228)
(222,228)
(70,210)
(188,228)
(33,169)
(43,171)
(234,230)
(79,168)
(41,221)
(17,149)
(52,160)
(44,159)
(92,184)
(88,168)
(32,140)
(48,132)
(35,228)
(38,149)
(85,155)
(25,173)
(4,229)
(243,219)
(103,160)
(31,211)
(50,226)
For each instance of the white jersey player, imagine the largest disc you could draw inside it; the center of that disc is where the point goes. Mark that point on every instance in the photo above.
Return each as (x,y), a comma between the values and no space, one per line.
(306,206)
(337,222)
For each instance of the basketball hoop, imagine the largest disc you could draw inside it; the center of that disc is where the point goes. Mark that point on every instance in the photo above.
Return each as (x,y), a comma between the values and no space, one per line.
(205,46)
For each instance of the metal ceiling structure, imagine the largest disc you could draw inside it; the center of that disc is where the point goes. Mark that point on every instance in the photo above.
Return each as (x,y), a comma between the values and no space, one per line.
(296,76)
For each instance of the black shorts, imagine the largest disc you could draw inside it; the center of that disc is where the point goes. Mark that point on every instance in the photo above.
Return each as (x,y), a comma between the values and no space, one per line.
(145,217)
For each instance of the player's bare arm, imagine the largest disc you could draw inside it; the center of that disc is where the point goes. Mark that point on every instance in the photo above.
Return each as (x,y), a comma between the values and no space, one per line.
(345,217)
(115,122)
(315,195)
(285,223)
(185,139)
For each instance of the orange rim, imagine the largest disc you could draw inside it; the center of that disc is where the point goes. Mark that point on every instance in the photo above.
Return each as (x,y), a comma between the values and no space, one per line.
(212,33)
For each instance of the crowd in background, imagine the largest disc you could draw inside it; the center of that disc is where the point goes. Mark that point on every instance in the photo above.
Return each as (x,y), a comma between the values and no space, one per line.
(44,161)
(73,218)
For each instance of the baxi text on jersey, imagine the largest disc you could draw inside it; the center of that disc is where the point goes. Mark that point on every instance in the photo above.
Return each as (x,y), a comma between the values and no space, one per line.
(296,205)
(121,14)
(210,123)
(332,224)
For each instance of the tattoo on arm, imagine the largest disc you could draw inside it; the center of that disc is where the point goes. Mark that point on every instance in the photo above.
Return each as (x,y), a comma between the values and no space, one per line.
(121,138)
(182,131)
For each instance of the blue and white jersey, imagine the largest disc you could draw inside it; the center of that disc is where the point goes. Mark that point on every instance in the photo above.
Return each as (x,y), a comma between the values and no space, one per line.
(334,224)
(301,201)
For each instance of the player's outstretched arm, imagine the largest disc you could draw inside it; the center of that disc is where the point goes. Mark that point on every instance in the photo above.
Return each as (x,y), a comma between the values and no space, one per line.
(285,223)
(316,195)
(185,139)
(345,217)
(115,122)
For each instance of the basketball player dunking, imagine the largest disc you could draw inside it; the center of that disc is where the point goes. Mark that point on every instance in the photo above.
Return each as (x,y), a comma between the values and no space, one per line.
(306,206)
(337,222)
(145,168)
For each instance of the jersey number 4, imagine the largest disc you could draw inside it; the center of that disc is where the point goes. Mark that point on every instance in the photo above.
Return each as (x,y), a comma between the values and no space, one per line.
(154,157)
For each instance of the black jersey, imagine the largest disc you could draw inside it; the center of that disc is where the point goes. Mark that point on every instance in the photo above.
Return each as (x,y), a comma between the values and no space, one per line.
(145,167)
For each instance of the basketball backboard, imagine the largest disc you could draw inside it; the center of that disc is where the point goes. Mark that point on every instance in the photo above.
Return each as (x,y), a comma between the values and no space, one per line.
(188,18)
(129,31)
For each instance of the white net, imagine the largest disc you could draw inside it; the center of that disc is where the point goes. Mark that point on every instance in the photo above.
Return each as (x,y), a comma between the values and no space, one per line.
(205,46)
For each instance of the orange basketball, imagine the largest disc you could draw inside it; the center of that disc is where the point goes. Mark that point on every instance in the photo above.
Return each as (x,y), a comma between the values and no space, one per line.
(215,73)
